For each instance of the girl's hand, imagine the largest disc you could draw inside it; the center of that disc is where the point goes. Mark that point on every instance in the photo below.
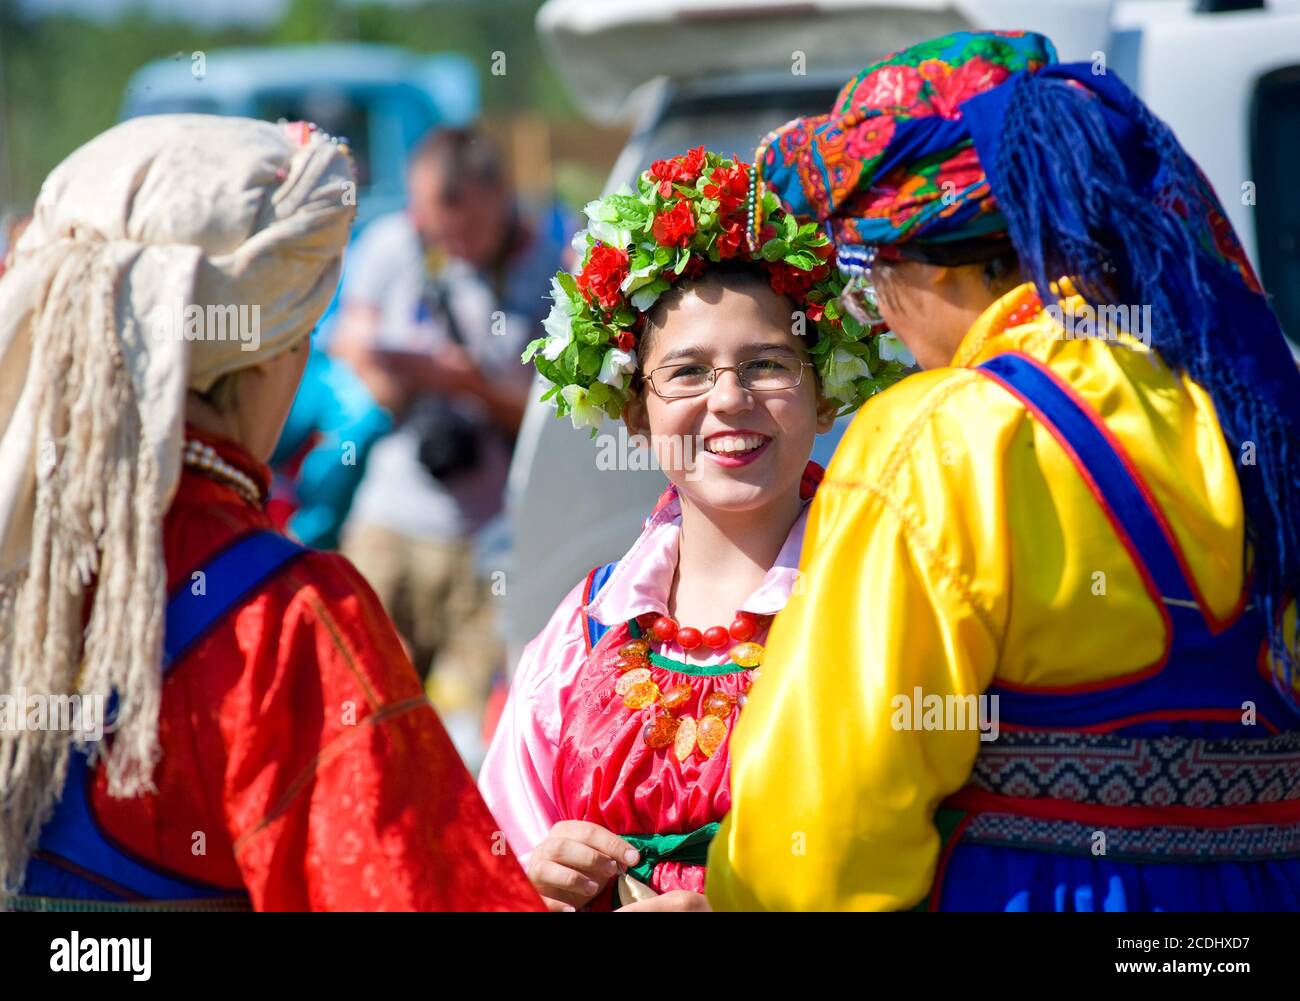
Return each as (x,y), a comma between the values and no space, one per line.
(575,862)
(673,900)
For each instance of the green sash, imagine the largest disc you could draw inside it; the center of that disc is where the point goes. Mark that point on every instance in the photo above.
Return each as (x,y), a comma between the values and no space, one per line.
(691,848)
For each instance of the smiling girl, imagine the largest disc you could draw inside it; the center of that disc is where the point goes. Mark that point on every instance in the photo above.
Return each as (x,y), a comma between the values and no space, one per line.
(609,772)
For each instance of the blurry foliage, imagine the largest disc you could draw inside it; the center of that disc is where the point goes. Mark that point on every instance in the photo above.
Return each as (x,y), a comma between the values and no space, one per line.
(61,82)
(62,77)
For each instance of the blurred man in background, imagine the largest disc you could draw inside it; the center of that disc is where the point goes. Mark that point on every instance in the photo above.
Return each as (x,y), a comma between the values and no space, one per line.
(437,306)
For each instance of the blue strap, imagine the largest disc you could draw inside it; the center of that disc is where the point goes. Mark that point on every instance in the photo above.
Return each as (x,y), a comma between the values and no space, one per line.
(74,836)
(1080,432)
(72,833)
(595,630)
(227,578)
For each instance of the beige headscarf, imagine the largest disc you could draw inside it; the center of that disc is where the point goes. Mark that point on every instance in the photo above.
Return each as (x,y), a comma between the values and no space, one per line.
(155,215)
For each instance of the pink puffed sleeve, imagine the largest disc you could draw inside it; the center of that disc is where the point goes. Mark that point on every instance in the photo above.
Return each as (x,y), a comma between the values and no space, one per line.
(517,777)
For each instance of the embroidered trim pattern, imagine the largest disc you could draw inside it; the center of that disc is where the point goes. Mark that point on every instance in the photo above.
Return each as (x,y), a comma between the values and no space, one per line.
(1251,842)
(1114,770)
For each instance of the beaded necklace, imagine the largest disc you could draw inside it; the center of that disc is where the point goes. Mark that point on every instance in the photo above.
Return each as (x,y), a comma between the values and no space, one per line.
(666,725)
(204,459)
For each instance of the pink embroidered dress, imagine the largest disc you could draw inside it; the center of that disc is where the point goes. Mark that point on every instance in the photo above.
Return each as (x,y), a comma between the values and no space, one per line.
(568,747)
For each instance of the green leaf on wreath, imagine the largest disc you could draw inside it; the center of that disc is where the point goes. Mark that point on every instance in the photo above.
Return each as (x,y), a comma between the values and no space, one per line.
(589,360)
(568,363)
(531,349)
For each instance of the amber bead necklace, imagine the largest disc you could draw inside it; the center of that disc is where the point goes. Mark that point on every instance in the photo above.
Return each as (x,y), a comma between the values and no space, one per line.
(668,725)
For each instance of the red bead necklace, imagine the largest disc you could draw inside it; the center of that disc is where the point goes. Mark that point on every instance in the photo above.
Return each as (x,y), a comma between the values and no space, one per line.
(742,629)
(1024,311)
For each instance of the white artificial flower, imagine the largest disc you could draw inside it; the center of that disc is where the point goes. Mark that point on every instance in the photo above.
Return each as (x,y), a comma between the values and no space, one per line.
(616,364)
(892,349)
(559,332)
(560,297)
(581,411)
(609,234)
(842,370)
(554,347)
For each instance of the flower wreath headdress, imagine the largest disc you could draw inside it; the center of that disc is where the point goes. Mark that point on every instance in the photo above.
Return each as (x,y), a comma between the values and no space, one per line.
(687,212)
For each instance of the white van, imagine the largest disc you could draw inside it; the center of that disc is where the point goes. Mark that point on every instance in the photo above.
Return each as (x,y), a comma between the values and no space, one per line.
(723,72)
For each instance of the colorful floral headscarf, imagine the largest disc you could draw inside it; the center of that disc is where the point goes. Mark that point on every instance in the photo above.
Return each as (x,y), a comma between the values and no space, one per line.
(893,160)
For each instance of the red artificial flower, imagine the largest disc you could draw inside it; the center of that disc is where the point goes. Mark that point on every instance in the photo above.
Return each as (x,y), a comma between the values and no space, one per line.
(731,239)
(815,311)
(603,274)
(626,340)
(684,169)
(692,165)
(788,280)
(694,267)
(674,227)
(730,187)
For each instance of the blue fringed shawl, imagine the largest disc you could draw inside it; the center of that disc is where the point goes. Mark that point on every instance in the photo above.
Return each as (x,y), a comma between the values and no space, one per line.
(1092,185)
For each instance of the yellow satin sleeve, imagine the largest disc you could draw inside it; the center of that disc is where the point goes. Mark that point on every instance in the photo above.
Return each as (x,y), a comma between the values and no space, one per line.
(953,542)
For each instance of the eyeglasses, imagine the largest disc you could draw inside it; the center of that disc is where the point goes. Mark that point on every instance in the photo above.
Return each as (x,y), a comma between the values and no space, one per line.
(758,375)
(859,297)
(862,301)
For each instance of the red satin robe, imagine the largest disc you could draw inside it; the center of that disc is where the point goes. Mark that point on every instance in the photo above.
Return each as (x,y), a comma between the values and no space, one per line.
(301,762)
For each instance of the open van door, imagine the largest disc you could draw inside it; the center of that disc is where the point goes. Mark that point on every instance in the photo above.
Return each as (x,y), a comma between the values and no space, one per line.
(1228,84)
